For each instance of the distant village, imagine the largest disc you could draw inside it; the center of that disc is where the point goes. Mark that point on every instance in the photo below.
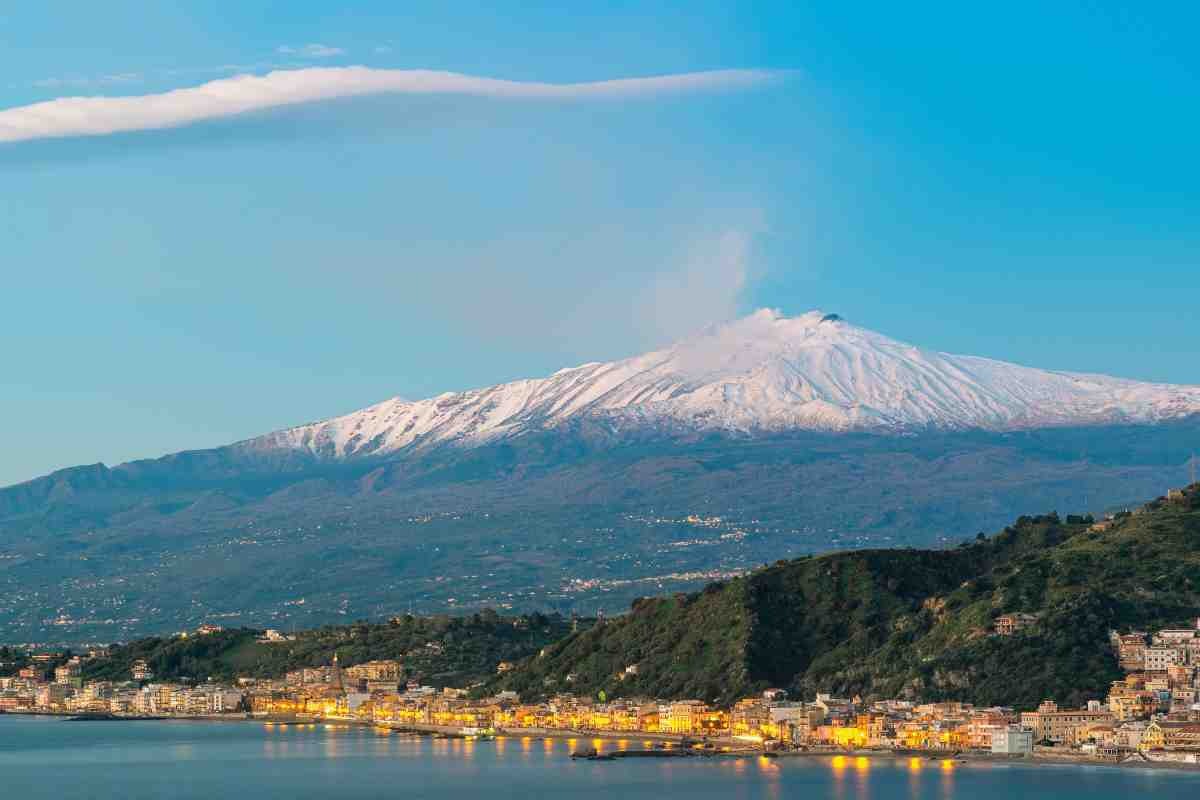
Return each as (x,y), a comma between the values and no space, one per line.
(1152,714)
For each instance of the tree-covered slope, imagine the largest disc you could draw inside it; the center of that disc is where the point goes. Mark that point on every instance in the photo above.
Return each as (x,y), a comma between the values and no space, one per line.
(442,650)
(683,645)
(912,623)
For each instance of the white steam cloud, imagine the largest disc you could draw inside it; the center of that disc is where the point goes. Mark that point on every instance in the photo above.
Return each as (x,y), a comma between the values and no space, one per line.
(706,286)
(99,116)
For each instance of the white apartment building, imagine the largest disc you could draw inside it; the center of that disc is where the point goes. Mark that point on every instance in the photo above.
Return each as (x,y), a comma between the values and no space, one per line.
(1157,659)
(1012,741)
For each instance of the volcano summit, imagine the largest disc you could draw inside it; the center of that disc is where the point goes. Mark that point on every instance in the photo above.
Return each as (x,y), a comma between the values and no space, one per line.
(763,374)
(754,440)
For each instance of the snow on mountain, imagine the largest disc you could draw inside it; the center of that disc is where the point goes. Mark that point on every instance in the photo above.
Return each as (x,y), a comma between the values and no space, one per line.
(762,373)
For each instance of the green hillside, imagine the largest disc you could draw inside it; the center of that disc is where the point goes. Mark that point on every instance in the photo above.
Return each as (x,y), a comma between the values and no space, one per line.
(441,650)
(905,623)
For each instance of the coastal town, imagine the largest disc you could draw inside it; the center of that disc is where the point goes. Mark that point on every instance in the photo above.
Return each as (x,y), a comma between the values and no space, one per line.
(1151,715)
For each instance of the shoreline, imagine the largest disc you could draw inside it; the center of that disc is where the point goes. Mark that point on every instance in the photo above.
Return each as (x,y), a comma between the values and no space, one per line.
(86,716)
(933,757)
(983,757)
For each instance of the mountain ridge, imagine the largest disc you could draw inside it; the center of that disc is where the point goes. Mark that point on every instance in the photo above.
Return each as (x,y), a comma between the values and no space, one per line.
(762,374)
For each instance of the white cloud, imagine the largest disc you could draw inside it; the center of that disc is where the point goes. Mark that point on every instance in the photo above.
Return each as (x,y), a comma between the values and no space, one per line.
(591,288)
(99,116)
(706,284)
(95,80)
(311,51)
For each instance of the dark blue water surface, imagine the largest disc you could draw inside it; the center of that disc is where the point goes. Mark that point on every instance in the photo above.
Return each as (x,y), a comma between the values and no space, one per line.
(55,758)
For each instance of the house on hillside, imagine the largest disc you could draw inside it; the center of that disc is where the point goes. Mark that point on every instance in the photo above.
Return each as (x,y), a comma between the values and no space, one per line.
(1159,659)
(1130,649)
(1009,624)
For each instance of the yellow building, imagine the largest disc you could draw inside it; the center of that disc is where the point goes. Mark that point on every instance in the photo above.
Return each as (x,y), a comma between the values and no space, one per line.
(684,717)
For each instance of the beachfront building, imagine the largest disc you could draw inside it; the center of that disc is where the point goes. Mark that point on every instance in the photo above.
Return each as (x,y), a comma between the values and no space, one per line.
(682,717)
(53,696)
(749,716)
(1171,735)
(1062,726)
(982,726)
(1012,740)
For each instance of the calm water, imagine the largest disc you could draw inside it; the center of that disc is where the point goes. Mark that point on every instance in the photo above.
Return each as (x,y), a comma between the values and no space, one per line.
(50,758)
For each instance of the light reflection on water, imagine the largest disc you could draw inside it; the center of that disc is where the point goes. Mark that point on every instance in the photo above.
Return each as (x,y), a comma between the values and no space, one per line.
(332,741)
(183,752)
(771,771)
(914,778)
(947,788)
(837,768)
(41,760)
(862,778)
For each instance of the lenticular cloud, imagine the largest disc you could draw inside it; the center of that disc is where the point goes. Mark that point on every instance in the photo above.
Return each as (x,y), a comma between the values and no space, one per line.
(99,116)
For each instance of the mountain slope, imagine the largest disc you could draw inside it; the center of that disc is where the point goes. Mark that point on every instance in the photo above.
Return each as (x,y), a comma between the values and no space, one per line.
(547,521)
(763,373)
(583,490)
(906,623)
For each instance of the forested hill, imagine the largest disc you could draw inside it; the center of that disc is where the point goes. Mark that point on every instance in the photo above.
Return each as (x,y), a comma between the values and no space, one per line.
(905,623)
(441,650)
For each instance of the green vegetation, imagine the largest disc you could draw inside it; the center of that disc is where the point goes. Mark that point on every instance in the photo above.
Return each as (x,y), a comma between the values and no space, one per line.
(439,650)
(12,660)
(905,623)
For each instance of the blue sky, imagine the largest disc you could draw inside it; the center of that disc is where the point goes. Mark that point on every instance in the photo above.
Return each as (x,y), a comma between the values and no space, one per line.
(1016,183)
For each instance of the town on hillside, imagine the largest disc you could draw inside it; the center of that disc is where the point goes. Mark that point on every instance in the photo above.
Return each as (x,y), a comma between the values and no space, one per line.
(1153,714)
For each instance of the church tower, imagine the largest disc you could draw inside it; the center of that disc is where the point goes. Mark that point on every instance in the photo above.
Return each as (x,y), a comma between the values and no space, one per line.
(336,681)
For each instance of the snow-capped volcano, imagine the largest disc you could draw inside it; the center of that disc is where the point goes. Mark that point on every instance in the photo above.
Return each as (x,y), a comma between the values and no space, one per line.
(763,373)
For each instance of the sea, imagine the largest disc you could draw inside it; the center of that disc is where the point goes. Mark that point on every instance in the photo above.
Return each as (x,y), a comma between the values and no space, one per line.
(57,758)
